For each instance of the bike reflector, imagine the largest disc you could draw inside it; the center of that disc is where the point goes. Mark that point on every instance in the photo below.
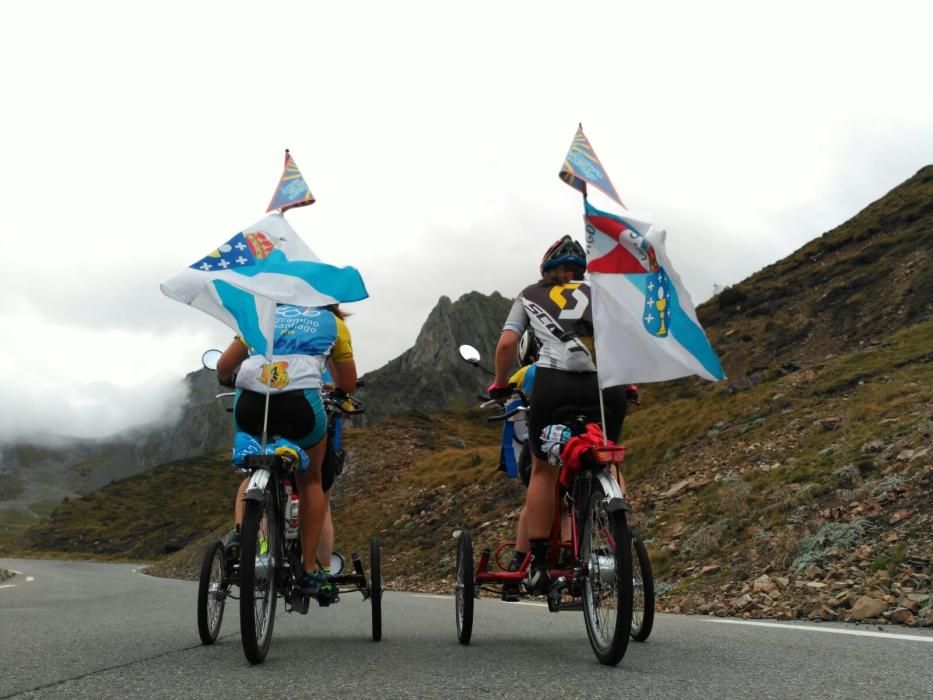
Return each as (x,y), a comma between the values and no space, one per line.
(609,454)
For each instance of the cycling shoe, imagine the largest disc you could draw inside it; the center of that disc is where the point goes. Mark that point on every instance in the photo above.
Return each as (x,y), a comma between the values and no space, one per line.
(313,582)
(538,580)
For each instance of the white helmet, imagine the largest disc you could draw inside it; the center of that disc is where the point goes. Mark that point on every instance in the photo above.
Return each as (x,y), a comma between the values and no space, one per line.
(527,348)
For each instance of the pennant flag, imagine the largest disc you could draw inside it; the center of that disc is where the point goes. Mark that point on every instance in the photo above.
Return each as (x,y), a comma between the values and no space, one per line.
(581,166)
(292,191)
(241,282)
(645,326)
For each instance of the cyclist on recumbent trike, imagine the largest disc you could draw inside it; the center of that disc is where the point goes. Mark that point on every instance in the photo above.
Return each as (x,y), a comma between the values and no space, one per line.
(589,555)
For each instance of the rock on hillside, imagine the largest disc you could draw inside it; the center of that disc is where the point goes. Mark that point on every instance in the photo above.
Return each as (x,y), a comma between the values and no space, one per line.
(431,376)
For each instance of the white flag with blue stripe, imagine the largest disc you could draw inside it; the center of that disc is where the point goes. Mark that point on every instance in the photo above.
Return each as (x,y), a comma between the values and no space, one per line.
(645,326)
(241,282)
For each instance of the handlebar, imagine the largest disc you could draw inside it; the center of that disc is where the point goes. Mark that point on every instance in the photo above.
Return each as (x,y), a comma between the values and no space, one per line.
(508,414)
(505,415)
(337,400)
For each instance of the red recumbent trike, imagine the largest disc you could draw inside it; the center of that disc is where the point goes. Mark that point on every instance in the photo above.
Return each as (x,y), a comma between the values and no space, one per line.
(596,564)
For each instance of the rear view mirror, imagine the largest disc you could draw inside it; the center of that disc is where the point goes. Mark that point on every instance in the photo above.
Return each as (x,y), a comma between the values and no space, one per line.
(469,354)
(210,358)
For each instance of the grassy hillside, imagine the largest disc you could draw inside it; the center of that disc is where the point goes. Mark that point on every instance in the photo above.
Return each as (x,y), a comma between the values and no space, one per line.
(143,517)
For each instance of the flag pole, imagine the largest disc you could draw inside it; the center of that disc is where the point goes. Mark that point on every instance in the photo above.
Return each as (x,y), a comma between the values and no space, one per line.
(602,404)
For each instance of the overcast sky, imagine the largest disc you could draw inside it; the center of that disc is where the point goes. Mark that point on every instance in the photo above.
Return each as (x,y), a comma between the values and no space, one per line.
(137,137)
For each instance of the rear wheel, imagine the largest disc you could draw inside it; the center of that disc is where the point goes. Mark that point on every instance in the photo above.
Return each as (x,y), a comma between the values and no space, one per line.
(464,588)
(212,593)
(258,551)
(606,556)
(642,591)
(375,587)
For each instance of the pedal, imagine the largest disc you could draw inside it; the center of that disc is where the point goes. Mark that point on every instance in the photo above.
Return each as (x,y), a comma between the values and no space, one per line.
(555,592)
(300,604)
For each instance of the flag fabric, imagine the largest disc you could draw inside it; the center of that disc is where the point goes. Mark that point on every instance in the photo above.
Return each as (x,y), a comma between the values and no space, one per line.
(645,326)
(241,282)
(581,166)
(292,190)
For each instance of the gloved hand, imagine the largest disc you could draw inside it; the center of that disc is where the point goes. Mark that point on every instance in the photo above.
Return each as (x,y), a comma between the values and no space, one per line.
(500,393)
(631,394)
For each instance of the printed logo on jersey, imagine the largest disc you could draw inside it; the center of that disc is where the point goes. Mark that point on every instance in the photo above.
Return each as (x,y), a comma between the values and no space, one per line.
(301,330)
(561,294)
(274,374)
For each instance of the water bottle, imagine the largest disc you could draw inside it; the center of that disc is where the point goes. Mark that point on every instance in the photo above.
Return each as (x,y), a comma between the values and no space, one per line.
(291,511)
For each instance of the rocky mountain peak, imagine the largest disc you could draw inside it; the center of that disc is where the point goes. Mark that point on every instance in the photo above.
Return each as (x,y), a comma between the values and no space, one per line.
(430,375)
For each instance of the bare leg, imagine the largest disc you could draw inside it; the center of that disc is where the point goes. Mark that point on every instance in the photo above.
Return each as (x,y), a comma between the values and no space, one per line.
(240,507)
(539,503)
(326,545)
(521,533)
(311,513)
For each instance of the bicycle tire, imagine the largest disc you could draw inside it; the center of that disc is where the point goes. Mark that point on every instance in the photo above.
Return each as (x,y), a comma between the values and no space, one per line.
(464,588)
(642,591)
(212,593)
(606,556)
(256,624)
(375,587)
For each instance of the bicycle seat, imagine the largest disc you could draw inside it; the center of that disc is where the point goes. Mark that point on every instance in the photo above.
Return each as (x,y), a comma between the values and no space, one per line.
(576,417)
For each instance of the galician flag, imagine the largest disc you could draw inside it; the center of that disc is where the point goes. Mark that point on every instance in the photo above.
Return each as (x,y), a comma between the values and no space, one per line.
(581,166)
(241,282)
(645,326)
(292,190)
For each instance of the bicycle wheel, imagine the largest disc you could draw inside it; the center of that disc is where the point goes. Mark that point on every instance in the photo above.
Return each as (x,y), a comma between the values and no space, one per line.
(212,593)
(464,588)
(375,587)
(642,591)
(606,556)
(258,550)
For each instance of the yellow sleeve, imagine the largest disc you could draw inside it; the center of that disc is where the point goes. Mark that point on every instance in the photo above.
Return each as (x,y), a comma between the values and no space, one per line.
(343,348)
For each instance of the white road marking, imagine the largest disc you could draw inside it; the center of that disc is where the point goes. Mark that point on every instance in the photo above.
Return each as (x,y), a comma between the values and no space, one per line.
(829,630)
(18,573)
(427,595)
(523,602)
(30,579)
(8,585)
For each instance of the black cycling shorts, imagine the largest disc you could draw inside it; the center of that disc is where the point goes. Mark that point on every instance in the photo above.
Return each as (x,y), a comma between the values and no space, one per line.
(558,396)
(294,415)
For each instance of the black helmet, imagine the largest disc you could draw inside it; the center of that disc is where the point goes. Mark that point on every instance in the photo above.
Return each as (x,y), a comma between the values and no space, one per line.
(527,348)
(566,251)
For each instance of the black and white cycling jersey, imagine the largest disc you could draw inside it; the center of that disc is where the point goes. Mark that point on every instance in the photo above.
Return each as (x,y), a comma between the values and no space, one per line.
(561,317)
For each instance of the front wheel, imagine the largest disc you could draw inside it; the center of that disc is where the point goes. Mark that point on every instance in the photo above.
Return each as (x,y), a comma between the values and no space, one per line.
(212,593)
(258,552)
(464,588)
(643,591)
(375,587)
(606,556)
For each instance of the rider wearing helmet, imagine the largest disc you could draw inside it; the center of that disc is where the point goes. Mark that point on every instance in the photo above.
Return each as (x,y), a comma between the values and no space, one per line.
(557,309)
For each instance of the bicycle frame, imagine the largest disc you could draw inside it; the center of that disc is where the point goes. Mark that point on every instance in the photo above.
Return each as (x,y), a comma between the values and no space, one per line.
(578,494)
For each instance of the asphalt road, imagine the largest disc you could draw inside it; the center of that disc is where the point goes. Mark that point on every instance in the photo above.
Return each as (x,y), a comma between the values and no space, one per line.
(79,629)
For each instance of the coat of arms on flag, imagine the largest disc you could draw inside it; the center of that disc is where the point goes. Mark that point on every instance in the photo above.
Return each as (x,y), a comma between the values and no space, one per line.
(292,190)
(241,281)
(645,326)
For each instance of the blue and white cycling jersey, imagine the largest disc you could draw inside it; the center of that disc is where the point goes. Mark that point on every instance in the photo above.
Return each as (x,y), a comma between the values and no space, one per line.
(304,338)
